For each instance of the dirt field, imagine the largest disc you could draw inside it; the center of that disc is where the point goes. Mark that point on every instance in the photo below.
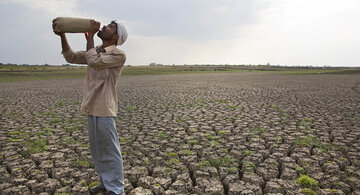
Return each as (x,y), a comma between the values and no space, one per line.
(234,133)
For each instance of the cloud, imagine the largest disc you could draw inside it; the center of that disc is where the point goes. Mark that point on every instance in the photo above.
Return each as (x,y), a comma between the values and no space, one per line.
(28,34)
(318,33)
(187,20)
(55,8)
(58,7)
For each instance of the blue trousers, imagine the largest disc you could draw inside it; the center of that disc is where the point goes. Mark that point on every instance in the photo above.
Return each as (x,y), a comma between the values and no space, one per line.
(106,153)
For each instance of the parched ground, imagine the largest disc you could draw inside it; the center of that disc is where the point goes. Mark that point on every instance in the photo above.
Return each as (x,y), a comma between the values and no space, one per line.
(229,133)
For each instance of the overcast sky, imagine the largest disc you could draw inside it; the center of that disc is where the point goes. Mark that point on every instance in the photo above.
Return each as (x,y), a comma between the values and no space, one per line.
(285,32)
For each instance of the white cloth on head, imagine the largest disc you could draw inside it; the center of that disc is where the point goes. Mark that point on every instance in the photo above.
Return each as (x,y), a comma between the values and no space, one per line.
(121,31)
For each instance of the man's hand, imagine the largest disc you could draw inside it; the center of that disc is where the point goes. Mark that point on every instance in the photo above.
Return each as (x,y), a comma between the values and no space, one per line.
(64,44)
(59,33)
(56,31)
(95,26)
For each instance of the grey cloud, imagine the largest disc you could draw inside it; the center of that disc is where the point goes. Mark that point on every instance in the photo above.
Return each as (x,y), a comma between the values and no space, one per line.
(197,20)
(27,37)
(192,31)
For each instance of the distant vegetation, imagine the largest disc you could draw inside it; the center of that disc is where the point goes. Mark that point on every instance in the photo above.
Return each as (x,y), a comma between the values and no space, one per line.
(43,72)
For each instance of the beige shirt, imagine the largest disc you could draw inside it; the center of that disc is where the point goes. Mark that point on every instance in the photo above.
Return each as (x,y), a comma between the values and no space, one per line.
(102,73)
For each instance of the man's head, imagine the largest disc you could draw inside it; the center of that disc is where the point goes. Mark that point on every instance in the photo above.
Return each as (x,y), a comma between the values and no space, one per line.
(114,33)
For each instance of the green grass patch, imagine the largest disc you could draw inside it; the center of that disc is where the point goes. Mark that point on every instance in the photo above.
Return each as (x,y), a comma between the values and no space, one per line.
(249,166)
(161,135)
(304,122)
(236,107)
(192,142)
(355,120)
(55,120)
(309,141)
(259,130)
(65,182)
(188,152)
(232,170)
(204,164)
(80,163)
(211,137)
(172,154)
(223,101)
(300,170)
(172,162)
(72,129)
(246,152)
(68,140)
(214,143)
(85,145)
(193,130)
(130,108)
(222,133)
(60,103)
(221,161)
(48,131)
(51,114)
(35,146)
(307,182)
(93,184)
(307,191)
(201,101)
(11,73)
(15,139)
(14,76)
(179,120)
(306,141)
(77,120)
(275,107)
(14,114)
(163,70)
(14,133)
(124,139)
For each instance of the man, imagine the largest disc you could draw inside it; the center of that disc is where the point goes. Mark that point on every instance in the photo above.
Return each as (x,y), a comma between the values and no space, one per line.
(99,103)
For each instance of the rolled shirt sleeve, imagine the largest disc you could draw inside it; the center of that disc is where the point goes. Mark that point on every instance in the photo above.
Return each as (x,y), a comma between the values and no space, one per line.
(104,60)
(74,57)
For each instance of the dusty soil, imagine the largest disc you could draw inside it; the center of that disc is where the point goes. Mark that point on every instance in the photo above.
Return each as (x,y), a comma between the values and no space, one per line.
(180,134)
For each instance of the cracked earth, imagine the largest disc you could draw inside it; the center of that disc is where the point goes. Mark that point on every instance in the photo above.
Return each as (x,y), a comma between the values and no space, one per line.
(234,133)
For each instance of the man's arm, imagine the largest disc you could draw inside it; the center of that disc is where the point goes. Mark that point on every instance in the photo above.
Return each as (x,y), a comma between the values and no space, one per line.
(64,43)
(95,26)
(69,55)
(113,59)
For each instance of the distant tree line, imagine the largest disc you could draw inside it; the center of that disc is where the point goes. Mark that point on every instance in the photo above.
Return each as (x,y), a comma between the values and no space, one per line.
(258,66)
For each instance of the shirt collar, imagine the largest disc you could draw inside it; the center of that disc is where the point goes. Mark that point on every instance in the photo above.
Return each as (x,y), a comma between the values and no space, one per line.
(109,48)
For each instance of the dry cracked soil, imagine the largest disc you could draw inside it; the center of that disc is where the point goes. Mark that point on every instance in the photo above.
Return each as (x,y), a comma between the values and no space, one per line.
(235,133)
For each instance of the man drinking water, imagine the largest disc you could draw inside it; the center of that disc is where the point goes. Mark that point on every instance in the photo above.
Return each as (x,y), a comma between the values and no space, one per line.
(104,66)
